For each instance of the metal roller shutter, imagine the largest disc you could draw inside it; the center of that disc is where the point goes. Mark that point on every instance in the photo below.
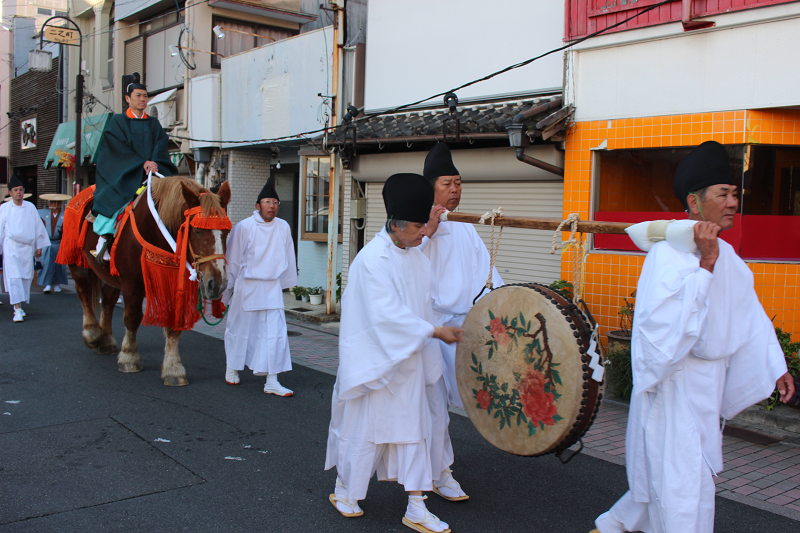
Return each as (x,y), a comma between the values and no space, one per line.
(134,56)
(524,255)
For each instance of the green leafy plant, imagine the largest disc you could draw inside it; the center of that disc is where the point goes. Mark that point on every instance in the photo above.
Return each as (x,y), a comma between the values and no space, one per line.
(339,287)
(790,350)
(298,290)
(620,372)
(564,288)
(626,315)
(313,291)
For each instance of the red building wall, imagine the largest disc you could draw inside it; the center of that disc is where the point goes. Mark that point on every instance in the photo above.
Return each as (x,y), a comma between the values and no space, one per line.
(584,17)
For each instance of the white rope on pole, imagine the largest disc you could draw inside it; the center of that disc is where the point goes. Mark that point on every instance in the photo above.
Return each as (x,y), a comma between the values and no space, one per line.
(493,249)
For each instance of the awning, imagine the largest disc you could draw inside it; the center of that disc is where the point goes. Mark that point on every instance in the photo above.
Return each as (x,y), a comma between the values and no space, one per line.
(93,128)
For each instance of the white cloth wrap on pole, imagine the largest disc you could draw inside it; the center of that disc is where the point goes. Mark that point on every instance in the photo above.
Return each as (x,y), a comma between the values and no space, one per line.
(161,226)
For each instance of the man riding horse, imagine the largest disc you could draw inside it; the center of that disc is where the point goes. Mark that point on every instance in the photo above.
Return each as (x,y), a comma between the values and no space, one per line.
(133,145)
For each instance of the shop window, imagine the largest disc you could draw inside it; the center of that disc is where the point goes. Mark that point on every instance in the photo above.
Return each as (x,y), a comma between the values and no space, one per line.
(241,36)
(771,204)
(637,185)
(316,190)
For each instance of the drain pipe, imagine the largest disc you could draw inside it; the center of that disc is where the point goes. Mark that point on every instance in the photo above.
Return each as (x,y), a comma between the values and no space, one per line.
(515,136)
(538,163)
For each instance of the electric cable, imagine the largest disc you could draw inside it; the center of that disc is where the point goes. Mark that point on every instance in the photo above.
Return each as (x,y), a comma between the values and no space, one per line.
(439,95)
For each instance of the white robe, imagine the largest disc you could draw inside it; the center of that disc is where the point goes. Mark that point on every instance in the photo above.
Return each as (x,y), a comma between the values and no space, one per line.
(380,417)
(261,264)
(459,267)
(702,348)
(21,234)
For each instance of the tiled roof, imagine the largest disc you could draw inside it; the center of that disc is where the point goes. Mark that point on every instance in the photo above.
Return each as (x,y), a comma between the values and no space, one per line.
(479,118)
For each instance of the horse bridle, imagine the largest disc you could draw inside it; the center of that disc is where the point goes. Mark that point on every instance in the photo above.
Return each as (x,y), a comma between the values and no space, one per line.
(204,259)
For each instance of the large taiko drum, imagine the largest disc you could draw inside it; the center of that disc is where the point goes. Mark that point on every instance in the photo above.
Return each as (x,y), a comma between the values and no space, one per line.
(526,370)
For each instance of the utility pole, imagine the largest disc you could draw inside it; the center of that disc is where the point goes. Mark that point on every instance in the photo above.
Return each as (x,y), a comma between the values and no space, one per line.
(334,176)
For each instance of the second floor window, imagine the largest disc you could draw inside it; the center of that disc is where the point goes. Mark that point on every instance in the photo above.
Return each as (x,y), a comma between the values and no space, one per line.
(241,36)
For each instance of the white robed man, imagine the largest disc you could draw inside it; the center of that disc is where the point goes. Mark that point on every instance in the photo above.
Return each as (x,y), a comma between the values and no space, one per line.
(380,417)
(23,236)
(261,264)
(702,348)
(459,268)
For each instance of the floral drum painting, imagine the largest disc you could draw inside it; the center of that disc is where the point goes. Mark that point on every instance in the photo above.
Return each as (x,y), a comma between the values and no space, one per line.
(519,371)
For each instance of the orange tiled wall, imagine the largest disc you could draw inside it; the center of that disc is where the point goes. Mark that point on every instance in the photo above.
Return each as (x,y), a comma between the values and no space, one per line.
(611,276)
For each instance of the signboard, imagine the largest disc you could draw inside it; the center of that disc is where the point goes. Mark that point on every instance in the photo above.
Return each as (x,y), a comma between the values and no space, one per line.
(28,129)
(61,35)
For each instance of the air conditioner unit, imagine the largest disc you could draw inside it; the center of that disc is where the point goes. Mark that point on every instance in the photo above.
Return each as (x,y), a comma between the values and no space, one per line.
(165,112)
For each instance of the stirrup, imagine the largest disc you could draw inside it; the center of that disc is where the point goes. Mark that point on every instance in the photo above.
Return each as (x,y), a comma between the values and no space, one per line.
(98,254)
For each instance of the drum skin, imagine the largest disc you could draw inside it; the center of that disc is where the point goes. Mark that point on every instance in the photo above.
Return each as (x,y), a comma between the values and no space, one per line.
(523,371)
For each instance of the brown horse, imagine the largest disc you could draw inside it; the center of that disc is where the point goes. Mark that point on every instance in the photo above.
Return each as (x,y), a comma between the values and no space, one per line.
(172,197)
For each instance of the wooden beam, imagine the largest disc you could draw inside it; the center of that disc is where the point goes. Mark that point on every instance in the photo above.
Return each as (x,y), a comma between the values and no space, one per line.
(551,224)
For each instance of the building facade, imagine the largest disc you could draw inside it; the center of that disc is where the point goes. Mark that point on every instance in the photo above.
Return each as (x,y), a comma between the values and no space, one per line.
(648,92)
(435,56)
(32,127)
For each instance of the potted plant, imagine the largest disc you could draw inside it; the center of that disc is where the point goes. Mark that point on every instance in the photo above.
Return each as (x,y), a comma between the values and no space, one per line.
(305,294)
(315,294)
(621,338)
(790,350)
(620,371)
(298,292)
(564,288)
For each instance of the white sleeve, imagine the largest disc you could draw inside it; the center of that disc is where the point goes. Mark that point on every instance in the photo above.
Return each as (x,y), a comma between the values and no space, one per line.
(671,308)
(234,254)
(289,276)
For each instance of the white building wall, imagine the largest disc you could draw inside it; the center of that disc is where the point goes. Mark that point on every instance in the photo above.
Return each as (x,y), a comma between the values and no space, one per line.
(272,91)
(312,260)
(417,48)
(248,171)
(749,60)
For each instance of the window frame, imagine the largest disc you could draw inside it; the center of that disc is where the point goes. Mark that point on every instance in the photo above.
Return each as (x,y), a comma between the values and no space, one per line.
(316,236)
(219,20)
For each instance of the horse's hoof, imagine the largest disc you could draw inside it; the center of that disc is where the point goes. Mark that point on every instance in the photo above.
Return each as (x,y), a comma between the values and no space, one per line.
(129,367)
(107,349)
(92,345)
(171,381)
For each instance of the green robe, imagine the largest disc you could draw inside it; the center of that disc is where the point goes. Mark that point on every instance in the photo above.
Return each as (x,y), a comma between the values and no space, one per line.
(127,143)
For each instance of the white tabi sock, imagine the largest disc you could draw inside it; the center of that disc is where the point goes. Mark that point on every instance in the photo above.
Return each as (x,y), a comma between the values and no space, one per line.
(417,513)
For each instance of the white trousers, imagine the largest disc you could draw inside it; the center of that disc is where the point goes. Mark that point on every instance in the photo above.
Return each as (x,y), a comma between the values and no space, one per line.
(357,458)
(441,450)
(19,290)
(449,359)
(257,339)
(629,515)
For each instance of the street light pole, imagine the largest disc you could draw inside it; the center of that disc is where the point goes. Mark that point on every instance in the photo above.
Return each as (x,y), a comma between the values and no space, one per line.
(56,34)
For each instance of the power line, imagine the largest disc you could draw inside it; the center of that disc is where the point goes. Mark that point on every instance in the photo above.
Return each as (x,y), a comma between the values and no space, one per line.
(439,95)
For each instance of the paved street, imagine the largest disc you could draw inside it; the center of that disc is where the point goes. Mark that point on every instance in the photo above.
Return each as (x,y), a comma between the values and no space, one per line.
(87,448)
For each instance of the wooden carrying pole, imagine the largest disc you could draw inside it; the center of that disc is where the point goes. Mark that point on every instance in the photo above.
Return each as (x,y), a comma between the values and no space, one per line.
(539,223)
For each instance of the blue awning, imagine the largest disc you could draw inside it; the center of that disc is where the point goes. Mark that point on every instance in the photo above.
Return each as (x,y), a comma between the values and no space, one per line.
(93,128)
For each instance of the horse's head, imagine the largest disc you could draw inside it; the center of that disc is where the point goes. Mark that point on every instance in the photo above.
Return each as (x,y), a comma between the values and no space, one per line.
(208,245)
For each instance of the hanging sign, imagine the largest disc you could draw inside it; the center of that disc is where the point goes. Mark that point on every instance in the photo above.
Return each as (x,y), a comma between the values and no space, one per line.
(55,34)
(28,130)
